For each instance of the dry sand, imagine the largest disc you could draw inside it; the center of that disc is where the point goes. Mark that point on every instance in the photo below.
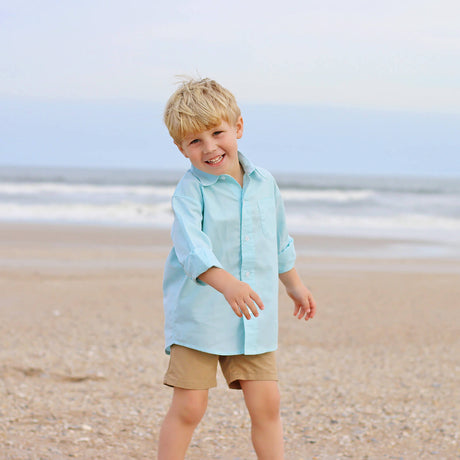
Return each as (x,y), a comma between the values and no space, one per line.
(375,375)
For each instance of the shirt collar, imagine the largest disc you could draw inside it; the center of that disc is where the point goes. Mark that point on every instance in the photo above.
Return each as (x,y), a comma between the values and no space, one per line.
(210,179)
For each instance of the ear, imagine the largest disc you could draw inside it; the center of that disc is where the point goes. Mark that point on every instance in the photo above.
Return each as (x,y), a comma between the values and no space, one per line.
(239,128)
(179,146)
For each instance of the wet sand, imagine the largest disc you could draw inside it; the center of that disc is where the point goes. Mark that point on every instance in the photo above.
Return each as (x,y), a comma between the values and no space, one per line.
(375,375)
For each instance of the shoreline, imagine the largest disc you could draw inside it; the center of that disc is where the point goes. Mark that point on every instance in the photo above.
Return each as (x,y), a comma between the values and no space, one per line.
(53,246)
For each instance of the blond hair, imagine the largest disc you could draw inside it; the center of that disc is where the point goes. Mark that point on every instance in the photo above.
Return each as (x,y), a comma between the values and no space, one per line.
(198,105)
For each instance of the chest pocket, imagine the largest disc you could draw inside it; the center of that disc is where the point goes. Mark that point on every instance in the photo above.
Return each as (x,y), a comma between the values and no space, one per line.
(267,214)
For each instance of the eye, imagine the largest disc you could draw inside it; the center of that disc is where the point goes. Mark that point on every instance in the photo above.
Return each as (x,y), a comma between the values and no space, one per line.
(216,133)
(195,141)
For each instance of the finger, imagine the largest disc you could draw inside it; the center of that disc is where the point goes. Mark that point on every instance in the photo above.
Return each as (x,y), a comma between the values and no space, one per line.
(257,299)
(308,313)
(306,309)
(312,307)
(236,309)
(303,309)
(252,307)
(244,310)
(301,313)
(296,309)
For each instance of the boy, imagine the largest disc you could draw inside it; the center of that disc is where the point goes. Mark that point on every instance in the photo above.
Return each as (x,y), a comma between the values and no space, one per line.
(221,277)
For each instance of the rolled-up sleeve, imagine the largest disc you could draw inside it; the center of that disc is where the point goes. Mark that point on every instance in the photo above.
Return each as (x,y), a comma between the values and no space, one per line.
(286,250)
(192,246)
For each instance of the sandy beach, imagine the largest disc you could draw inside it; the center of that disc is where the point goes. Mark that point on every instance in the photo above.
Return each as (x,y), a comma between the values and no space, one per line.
(375,375)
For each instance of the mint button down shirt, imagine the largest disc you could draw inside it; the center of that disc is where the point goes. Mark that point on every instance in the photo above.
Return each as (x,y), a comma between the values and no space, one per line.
(218,223)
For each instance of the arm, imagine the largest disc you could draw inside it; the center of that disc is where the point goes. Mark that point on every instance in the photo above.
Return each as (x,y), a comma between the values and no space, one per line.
(238,294)
(304,304)
(191,245)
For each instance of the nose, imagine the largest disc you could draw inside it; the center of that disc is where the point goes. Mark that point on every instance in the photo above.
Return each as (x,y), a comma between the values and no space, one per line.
(209,146)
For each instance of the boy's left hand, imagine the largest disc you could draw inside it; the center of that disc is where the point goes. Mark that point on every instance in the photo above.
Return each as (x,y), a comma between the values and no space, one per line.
(304,304)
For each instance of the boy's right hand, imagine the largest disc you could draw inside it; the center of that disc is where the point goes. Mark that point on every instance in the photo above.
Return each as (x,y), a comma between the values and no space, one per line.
(240,297)
(238,294)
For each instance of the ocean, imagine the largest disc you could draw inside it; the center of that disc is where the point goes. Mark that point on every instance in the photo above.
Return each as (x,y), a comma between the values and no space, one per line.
(422,210)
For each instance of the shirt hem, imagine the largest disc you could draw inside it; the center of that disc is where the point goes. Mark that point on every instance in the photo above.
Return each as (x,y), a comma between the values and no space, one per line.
(217,353)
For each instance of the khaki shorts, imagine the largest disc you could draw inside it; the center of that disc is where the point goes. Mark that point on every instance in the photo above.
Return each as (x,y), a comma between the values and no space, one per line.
(196,370)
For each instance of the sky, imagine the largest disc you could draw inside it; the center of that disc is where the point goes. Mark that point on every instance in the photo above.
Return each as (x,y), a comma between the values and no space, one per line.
(354,86)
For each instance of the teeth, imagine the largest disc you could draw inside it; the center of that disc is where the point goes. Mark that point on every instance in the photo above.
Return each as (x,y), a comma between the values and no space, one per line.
(214,160)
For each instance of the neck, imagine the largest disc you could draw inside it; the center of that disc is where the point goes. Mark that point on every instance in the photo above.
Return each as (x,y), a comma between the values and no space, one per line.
(238,174)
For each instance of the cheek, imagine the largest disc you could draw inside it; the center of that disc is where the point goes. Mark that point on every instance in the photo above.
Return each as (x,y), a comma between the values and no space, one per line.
(193,155)
(190,151)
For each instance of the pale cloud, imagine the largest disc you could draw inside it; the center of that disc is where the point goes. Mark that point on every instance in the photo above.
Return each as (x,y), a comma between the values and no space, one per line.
(393,54)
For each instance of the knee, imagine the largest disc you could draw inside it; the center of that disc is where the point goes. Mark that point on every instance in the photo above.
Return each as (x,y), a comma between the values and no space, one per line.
(271,406)
(265,408)
(191,409)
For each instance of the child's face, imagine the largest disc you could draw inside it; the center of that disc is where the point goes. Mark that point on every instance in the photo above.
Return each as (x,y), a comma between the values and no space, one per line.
(215,151)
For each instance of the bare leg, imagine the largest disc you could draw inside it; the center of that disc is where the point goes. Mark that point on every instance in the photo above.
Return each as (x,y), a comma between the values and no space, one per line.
(186,411)
(263,402)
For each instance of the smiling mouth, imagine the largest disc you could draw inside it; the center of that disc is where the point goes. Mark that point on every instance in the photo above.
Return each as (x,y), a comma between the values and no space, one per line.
(214,161)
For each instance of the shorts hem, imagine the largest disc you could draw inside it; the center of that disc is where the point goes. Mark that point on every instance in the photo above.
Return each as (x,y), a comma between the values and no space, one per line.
(235,385)
(189,385)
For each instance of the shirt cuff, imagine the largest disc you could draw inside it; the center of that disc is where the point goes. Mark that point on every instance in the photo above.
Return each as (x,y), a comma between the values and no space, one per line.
(199,261)
(286,257)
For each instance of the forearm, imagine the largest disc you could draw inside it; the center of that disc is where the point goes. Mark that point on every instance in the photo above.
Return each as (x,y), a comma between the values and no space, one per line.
(218,278)
(290,279)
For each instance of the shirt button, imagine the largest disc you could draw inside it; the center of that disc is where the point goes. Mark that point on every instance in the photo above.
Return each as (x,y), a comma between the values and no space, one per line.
(247,238)
(247,274)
